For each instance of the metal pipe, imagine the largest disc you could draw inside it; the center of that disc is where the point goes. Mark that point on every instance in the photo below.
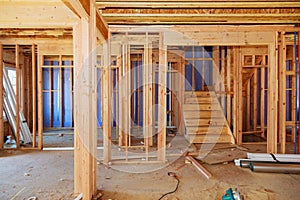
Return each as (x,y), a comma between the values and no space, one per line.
(275,168)
(269,156)
(246,163)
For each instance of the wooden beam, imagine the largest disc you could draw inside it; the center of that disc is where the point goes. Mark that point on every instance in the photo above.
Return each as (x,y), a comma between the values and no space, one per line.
(17,96)
(282,93)
(1,98)
(272,96)
(33,74)
(195,4)
(162,81)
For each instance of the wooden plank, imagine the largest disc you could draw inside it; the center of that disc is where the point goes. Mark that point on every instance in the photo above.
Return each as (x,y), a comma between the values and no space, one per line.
(207,130)
(197,107)
(85,132)
(150,96)
(272,96)
(262,101)
(194,4)
(146,107)
(40,100)
(161,143)
(105,82)
(33,74)
(199,167)
(282,93)
(247,114)
(60,92)
(17,96)
(223,63)
(255,100)
(228,82)
(1,98)
(210,138)
(204,114)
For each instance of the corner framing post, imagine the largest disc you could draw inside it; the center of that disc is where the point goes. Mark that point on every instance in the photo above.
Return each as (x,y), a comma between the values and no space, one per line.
(40,100)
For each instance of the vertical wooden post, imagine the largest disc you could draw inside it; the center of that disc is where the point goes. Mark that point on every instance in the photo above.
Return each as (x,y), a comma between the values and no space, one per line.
(40,100)
(85,104)
(247,114)
(272,97)
(282,94)
(33,72)
(222,89)
(17,97)
(228,74)
(150,96)
(146,107)
(1,98)
(235,93)
(162,73)
(106,95)
(60,92)
(262,100)
(255,100)
(238,98)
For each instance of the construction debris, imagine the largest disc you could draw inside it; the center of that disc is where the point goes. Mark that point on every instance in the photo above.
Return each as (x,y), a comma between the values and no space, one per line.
(198,166)
(272,163)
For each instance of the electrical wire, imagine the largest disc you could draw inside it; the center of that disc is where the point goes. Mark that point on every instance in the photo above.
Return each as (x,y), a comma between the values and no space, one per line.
(172,174)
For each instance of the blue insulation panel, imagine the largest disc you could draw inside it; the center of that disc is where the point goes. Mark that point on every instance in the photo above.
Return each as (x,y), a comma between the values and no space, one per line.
(46,111)
(188,76)
(198,75)
(67,98)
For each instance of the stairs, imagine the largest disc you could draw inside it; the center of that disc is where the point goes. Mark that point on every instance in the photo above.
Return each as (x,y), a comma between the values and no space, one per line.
(204,119)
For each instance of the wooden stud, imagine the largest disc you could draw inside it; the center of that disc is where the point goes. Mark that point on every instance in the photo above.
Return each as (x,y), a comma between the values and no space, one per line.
(33,72)
(162,99)
(262,100)
(60,92)
(240,99)
(282,90)
(247,114)
(223,62)
(105,82)
(17,96)
(1,98)
(272,96)
(235,92)
(150,96)
(228,74)
(40,100)
(255,99)
(146,107)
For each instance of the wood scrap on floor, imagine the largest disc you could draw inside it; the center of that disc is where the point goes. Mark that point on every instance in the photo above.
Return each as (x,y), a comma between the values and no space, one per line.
(222,154)
(199,167)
